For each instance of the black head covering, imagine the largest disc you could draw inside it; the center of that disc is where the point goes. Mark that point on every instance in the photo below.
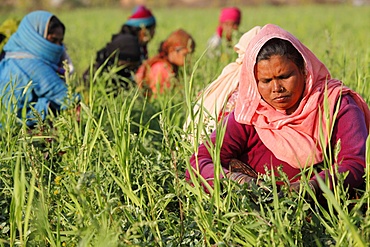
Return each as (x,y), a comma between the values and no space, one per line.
(127,47)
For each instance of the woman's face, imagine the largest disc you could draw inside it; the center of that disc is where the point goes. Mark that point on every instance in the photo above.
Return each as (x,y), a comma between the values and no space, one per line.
(178,56)
(228,28)
(57,36)
(280,82)
(146,34)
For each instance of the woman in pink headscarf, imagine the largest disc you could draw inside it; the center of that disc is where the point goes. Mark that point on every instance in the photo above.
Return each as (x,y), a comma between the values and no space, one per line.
(278,120)
(229,22)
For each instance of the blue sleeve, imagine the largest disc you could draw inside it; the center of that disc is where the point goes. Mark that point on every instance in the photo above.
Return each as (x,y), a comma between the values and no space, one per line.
(47,83)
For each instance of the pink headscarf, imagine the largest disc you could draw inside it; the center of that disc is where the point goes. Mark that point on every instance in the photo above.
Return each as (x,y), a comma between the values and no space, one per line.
(292,138)
(216,94)
(228,14)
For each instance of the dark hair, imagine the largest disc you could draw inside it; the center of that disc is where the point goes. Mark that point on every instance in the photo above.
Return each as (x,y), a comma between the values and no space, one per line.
(133,30)
(55,23)
(2,37)
(282,48)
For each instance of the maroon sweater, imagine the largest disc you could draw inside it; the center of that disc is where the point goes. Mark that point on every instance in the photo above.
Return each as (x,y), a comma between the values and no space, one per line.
(241,141)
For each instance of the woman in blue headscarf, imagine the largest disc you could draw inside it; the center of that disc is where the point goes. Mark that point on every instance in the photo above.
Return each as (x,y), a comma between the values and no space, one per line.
(28,72)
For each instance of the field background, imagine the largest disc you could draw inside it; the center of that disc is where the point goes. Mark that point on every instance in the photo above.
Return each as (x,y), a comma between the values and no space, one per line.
(116,178)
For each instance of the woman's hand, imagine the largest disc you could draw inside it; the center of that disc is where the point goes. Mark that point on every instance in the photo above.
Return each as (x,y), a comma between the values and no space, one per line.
(239,177)
(295,187)
(78,113)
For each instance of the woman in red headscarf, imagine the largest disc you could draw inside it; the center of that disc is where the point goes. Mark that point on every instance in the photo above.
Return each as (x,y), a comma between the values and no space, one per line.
(286,99)
(155,75)
(229,22)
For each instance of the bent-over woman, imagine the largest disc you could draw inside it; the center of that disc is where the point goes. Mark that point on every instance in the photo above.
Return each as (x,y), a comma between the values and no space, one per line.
(228,26)
(29,70)
(278,116)
(128,48)
(158,73)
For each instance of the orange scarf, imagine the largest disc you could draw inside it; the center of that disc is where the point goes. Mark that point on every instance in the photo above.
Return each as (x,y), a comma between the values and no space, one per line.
(292,138)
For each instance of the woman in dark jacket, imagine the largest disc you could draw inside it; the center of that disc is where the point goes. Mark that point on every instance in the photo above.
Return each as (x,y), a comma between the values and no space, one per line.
(128,48)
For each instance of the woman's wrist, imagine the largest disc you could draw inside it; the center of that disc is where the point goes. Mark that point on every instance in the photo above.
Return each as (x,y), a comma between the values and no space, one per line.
(239,177)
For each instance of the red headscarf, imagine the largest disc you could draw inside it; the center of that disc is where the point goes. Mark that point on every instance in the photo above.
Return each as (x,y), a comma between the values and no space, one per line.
(141,16)
(228,14)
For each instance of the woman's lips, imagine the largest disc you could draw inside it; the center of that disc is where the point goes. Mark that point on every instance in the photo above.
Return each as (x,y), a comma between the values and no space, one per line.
(281,99)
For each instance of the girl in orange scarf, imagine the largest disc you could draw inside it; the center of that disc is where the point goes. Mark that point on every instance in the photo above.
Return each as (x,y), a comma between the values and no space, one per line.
(156,74)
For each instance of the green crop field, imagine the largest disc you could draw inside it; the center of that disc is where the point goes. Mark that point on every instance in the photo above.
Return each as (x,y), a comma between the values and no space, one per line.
(116,178)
